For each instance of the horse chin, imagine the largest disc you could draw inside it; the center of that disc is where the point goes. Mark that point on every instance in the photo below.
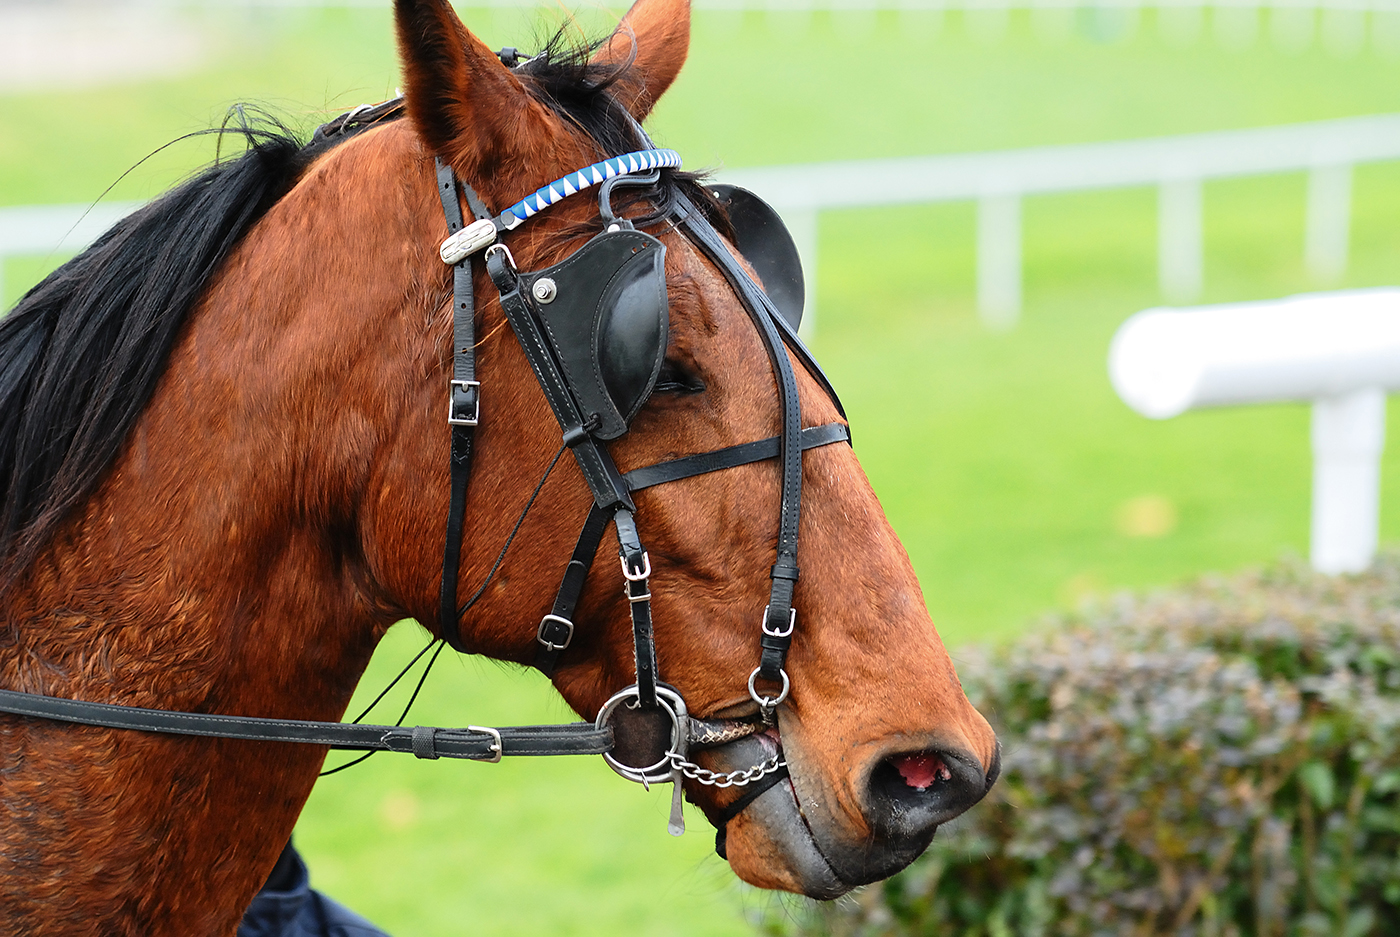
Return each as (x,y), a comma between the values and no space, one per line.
(770,844)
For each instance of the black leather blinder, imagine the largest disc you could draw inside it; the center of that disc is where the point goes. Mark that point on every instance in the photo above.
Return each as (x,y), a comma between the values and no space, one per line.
(767,245)
(605,311)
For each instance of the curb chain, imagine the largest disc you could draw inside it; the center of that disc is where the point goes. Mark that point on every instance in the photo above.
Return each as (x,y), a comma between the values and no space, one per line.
(732,779)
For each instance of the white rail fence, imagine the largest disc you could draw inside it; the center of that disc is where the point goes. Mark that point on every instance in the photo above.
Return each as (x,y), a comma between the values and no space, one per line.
(998,182)
(1178,166)
(1340,27)
(44,230)
(1339,350)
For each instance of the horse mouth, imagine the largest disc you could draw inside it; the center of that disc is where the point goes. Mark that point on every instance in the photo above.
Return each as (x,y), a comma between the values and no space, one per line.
(789,833)
(772,830)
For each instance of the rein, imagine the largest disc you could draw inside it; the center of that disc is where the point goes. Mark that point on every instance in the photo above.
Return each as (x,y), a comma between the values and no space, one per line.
(635,723)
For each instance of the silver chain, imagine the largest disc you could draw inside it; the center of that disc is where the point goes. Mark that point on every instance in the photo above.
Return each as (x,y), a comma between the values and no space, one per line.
(732,779)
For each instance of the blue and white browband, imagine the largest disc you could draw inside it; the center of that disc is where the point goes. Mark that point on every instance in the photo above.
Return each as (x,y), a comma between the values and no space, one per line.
(481,233)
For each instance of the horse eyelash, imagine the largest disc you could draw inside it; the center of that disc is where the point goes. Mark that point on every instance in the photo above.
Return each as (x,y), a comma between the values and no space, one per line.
(674,379)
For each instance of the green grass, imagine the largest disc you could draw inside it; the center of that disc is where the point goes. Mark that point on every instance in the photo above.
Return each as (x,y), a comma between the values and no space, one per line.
(1004,461)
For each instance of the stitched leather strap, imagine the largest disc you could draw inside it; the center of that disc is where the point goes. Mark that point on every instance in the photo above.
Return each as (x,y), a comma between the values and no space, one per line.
(635,561)
(731,456)
(556,631)
(752,793)
(778,620)
(579,738)
(464,403)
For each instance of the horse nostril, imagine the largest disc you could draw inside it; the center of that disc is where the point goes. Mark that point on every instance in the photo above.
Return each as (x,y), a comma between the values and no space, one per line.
(921,770)
(911,793)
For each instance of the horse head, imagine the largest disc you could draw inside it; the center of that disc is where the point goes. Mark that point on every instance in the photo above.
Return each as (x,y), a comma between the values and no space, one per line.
(881,742)
(225,471)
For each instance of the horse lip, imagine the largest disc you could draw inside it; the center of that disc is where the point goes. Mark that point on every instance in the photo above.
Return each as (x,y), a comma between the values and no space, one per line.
(781,817)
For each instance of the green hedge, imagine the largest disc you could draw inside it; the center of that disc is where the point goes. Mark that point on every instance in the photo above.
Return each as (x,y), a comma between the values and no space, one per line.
(1222,759)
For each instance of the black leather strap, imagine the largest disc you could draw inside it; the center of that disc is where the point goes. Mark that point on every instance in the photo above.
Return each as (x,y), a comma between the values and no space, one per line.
(556,631)
(778,620)
(579,738)
(752,793)
(637,565)
(464,402)
(730,456)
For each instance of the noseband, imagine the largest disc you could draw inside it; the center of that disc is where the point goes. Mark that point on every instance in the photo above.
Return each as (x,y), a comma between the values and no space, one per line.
(594,329)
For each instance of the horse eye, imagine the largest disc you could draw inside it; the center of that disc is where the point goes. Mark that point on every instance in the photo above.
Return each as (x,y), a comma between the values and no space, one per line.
(674,379)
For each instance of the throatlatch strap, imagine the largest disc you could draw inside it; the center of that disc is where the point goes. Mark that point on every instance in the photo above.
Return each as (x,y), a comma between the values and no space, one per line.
(556,631)
(464,402)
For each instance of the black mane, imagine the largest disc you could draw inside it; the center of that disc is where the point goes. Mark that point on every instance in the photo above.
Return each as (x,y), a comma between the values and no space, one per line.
(81,353)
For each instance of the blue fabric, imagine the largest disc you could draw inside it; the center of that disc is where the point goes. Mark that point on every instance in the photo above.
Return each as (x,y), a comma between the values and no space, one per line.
(288,907)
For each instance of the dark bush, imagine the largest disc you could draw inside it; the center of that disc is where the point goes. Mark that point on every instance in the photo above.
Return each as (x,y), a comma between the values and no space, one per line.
(1219,760)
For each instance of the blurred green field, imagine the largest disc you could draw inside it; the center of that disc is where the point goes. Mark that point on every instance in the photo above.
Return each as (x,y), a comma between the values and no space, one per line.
(1016,478)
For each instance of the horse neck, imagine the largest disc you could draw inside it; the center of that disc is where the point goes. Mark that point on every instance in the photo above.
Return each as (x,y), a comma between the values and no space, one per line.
(219,564)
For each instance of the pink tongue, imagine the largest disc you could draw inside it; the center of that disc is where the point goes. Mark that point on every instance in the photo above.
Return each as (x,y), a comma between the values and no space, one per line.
(920,771)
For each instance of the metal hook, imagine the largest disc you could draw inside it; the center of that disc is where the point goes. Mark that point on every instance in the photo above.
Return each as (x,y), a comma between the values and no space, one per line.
(605,196)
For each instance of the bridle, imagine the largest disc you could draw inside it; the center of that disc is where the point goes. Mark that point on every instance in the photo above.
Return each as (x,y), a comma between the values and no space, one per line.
(644,731)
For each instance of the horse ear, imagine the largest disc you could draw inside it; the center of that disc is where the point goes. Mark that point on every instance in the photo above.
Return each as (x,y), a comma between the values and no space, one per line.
(650,46)
(468,107)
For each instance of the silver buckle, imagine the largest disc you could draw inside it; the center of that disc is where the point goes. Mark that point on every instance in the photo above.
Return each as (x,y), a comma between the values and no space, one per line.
(496,749)
(452,416)
(550,645)
(468,241)
(637,577)
(792,624)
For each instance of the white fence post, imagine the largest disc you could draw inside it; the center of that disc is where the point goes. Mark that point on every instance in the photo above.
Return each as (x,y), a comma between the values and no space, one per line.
(999,260)
(1328,222)
(802,224)
(1180,241)
(1348,436)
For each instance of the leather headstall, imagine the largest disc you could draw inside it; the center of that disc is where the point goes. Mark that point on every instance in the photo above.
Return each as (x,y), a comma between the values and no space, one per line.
(594,328)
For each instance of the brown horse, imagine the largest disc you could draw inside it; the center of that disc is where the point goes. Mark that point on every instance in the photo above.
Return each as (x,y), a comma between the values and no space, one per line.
(253,481)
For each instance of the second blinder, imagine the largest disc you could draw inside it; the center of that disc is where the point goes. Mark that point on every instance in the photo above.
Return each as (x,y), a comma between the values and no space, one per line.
(605,307)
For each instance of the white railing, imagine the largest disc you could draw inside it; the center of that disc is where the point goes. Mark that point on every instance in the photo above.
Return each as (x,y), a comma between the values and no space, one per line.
(1341,351)
(809,5)
(998,181)
(44,230)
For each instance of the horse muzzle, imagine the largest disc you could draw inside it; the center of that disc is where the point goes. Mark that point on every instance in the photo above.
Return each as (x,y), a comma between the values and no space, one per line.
(799,836)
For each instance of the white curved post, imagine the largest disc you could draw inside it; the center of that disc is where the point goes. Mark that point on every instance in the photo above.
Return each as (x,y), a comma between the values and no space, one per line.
(1339,350)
